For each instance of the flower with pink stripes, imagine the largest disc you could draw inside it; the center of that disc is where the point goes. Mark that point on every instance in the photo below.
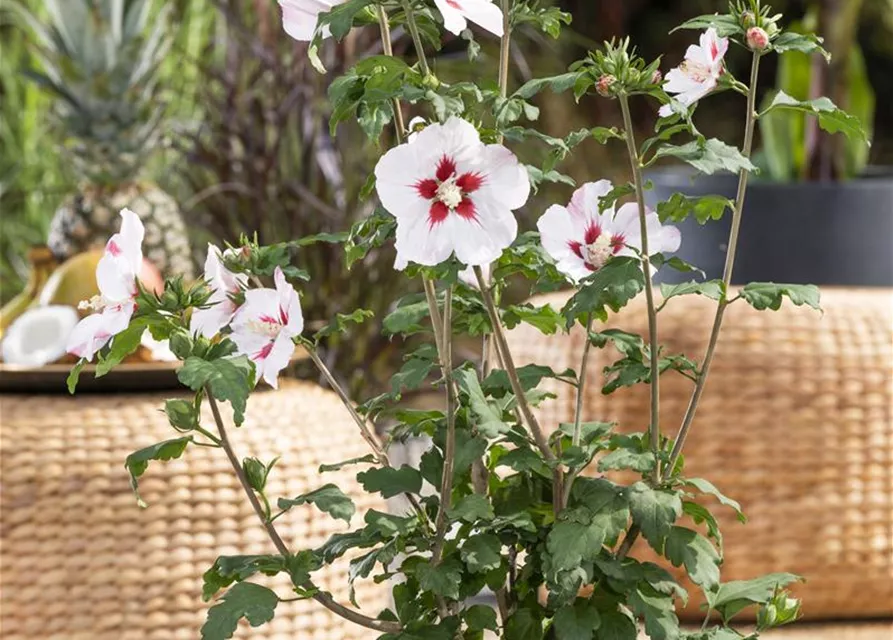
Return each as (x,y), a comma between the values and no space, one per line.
(116,278)
(581,239)
(457,13)
(265,326)
(451,193)
(699,72)
(225,286)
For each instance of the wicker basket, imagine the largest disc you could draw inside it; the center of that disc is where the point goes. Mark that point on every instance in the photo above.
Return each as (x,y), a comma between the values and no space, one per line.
(795,423)
(80,561)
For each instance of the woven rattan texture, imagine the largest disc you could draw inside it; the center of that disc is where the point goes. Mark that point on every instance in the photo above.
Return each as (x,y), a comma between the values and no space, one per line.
(80,561)
(795,423)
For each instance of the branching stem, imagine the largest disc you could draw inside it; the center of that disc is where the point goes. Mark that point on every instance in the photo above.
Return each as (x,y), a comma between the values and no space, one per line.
(636,166)
(325,599)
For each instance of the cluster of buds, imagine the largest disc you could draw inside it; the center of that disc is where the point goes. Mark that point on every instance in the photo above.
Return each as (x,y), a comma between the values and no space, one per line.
(616,70)
(757,22)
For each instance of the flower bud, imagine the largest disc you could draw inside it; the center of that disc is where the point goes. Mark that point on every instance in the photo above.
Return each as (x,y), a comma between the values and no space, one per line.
(430,81)
(656,77)
(757,39)
(748,20)
(604,84)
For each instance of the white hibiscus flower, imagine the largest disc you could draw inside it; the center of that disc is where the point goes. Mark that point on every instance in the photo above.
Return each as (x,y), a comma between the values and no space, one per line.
(582,240)
(483,13)
(299,17)
(450,192)
(699,72)
(265,325)
(225,284)
(116,277)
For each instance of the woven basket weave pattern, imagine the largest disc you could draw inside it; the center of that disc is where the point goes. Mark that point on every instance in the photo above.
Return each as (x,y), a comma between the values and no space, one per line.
(795,423)
(80,561)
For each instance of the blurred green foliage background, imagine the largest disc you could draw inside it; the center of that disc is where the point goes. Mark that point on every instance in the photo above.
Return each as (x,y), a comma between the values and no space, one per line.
(247,147)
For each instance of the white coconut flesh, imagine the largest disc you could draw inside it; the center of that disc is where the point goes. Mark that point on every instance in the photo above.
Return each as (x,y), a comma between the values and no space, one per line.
(39,336)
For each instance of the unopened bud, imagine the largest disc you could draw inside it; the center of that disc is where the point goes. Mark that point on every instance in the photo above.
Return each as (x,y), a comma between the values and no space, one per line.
(656,77)
(748,20)
(757,39)
(604,84)
(430,81)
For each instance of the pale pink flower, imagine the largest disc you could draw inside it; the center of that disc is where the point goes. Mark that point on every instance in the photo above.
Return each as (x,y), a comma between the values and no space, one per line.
(450,192)
(116,277)
(299,17)
(699,72)
(483,13)
(265,326)
(225,284)
(757,38)
(582,240)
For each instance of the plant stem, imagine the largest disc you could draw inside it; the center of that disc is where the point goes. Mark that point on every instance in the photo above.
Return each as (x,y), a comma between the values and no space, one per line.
(367,433)
(502,349)
(449,454)
(505,48)
(365,430)
(325,599)
(434,313)
(636,166)
(416,37)
(387,48)
(578,413)
(750,125)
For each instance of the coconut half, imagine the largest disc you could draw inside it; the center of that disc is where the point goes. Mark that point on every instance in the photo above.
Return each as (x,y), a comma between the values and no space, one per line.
(39,336)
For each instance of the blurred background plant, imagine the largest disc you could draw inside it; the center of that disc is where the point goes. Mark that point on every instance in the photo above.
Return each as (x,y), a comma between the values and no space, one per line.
(248,147)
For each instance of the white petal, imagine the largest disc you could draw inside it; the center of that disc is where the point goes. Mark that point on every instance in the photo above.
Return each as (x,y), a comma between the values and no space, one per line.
(665,111)
(626,221)
(130,239)
(419,242)
(453,20)
(277,359)
(289,303)
(698,54)
(299,17)
(586,199)
(258,303)
(397,173)
(506,180)
(115,279)
(559,227)
(484,14)
(678,81)
(713,46)
(482,240)
(208,322)
(88,337)
(117,318)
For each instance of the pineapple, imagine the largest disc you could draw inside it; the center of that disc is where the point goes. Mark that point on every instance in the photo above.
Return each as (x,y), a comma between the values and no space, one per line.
(100,60)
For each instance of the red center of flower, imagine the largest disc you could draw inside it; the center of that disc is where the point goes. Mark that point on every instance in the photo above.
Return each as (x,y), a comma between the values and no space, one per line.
(597,247)
(448,191)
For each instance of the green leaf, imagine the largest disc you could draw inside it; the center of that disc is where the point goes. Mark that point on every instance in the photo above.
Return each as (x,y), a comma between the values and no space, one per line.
(830,117)
(577,621)
(707,156)
(407,317)
(489,418)
(138,461)
(366,459)
(616,626)
(482,553)
(415,369)
(253,602)
(340,18)
(702,515)
(606,501)
(802,42)
(472,508)
(732,597)
(442,580)
(661,622)
(545,318)
(342,322)
(694,551)
(328,498)
(523,624)
(229,379)
(725,24)
(574,538)
(768,295)
(390,482)
(558,84)
(705,486)
(713,289)
(704,208)
(123,344)
(74,375)
(479,617)
(229,569)
(611,287)
(624,459)
(655,511)
(603,134)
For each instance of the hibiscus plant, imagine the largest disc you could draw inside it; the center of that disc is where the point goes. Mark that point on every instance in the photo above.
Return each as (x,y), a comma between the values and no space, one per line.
(501,501)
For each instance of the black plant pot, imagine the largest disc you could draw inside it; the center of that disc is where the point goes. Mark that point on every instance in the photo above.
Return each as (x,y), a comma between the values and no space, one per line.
(818,233)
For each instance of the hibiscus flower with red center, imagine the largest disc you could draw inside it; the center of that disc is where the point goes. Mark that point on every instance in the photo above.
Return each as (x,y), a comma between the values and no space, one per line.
(451,193)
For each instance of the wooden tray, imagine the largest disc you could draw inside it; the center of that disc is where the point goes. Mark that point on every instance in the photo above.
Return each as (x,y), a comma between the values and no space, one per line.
(51,378)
